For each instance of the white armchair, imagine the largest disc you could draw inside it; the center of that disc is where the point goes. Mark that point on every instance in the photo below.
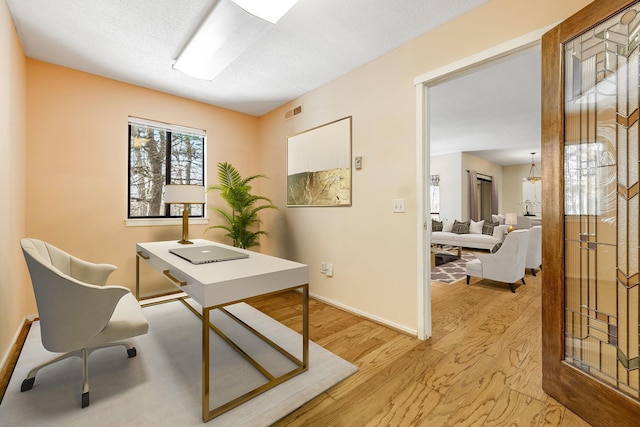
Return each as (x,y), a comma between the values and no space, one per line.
(506,265)
(534,249)
(78,314)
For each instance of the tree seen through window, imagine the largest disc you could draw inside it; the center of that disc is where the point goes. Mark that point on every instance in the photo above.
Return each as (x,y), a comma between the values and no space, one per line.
(160,155)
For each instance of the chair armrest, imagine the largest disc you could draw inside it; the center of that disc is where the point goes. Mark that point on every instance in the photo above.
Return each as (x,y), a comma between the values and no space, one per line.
(500,231)
(88,272)
(493,262)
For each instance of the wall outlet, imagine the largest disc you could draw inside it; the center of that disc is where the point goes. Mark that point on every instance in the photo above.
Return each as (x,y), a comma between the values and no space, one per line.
(323,267)
(398,205)
(329,270)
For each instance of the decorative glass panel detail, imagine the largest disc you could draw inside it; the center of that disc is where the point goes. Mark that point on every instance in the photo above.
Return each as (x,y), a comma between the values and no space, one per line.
(602,202)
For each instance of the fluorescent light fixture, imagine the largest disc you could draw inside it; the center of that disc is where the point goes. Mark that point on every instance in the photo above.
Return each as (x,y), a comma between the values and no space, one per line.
(228,31)
(270,11)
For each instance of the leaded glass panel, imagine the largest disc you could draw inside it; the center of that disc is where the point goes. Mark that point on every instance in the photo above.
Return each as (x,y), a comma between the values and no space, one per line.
(602,202)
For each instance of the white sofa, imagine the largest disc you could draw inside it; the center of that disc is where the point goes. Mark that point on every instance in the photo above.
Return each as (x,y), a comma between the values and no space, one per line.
(468,240)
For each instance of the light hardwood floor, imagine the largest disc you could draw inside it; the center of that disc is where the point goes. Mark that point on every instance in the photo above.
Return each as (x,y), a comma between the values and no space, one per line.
(482,367)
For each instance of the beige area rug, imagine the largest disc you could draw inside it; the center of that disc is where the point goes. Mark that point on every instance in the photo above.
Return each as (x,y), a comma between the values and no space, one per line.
(453,271)
(162,385)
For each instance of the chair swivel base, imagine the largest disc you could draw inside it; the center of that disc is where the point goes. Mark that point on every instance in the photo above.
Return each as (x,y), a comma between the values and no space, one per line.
(27,383)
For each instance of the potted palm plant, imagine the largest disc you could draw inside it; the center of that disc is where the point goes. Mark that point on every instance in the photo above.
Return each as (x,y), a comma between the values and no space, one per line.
(242,216)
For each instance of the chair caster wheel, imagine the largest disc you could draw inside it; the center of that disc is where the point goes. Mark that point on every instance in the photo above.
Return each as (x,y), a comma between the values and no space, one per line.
(85,399)
(132,352)
(27,384)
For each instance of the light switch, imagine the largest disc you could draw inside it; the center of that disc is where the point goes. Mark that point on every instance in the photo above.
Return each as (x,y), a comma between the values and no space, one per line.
(358,162)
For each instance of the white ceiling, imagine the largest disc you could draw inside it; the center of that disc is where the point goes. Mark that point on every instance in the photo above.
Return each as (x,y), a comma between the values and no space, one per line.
(138,41)
(316,42)
(492,112)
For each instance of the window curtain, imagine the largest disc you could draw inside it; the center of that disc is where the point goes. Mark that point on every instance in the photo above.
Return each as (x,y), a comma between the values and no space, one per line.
(473,195)
(494,197)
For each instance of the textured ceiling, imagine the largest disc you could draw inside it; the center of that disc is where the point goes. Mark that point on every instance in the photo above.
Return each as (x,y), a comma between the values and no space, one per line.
(494,112)
(138,41)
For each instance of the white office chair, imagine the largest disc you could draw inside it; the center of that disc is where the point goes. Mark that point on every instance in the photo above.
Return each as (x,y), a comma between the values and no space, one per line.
(78,314)
(506,265)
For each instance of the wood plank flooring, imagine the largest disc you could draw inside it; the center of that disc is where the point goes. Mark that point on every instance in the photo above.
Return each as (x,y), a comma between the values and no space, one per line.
(482,367)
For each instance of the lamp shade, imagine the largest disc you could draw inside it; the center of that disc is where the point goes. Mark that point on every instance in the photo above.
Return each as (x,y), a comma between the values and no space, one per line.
(184,193)
(511,219)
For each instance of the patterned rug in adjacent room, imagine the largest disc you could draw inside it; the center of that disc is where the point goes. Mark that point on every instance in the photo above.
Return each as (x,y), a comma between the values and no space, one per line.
(453,271)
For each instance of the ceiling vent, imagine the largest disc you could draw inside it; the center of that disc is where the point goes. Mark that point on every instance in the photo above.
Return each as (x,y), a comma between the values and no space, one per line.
(292,113)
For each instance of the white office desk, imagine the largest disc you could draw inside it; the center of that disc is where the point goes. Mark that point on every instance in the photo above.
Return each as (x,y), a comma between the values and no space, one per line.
(218,284)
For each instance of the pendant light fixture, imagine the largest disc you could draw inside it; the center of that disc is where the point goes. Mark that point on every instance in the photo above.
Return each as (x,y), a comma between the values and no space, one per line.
(534,173)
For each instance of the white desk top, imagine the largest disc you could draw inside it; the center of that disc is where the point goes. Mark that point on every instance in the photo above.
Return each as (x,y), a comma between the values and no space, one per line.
(227,281)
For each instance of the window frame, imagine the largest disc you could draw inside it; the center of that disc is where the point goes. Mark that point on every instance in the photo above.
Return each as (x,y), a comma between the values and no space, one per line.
(167,218)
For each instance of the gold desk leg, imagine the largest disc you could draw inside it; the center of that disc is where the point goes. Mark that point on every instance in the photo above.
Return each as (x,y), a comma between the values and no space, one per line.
(138,277)
(305,326)
(208,414)
(205,364)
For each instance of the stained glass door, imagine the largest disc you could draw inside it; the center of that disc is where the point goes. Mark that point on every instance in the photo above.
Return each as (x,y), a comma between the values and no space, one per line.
(591,240)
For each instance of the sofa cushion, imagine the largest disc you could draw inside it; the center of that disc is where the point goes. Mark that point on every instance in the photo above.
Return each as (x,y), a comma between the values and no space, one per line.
(477,241)
(447,225)
(436,225)
(475,227)
(488,227)
(498,218)
(460,227)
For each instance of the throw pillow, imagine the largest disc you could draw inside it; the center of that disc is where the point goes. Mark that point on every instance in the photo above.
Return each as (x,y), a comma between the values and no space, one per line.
(498,218)
(475,227)
(495,248)
(447,225)
(436,225)
(460,227)
(488,228)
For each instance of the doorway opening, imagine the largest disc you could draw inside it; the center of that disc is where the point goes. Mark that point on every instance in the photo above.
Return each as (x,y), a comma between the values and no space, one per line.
(431,109)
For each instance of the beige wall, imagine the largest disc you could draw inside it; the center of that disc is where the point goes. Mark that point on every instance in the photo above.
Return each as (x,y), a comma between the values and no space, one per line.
(77,162)
(372,249)
(512,187)
(14,285)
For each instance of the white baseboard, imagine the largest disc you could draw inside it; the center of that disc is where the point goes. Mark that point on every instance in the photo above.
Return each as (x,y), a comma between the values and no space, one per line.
(364,314)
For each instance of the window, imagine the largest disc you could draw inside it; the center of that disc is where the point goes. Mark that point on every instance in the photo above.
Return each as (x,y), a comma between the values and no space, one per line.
(434,193)
(161,154)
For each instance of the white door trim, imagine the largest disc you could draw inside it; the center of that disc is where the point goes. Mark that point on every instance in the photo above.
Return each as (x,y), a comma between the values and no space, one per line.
(422,84)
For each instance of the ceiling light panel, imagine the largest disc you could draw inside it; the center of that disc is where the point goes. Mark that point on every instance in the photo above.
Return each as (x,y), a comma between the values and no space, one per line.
(227,32)
(270,11)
